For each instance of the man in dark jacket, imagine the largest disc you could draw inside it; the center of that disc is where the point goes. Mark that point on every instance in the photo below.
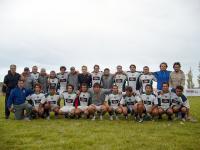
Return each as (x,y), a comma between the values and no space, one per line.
(9,83)
(85,77)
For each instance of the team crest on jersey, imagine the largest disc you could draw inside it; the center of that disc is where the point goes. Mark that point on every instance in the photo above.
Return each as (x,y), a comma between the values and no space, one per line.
(165,100)
(147,102)
(146,81)
(132,79)
(69,100)
(82,99)
(63,80)
(119,80)
(96,78)
(115,101)
(52,102)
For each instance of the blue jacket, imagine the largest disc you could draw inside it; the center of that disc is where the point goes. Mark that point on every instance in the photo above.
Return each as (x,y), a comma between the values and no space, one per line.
(162,76)
(18,96)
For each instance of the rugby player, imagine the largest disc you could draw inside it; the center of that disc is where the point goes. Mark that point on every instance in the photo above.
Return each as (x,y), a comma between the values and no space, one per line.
(113,100)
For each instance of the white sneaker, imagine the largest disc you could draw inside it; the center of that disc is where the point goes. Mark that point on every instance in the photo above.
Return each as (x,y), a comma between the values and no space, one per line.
(93,118)
(183,119)
(101,117)
(140,120)
(126,117)
(111,118)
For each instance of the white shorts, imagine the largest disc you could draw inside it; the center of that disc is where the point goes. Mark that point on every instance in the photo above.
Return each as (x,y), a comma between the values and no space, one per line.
(176,106)
(67,109)
(98,108)
(83,108)
(164,108)
(148,108)
(114,107)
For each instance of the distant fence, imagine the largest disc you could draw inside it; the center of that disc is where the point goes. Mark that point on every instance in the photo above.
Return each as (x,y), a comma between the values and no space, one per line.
(192,92)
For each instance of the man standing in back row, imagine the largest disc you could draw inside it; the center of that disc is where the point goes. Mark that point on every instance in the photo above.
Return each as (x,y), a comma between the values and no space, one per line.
(9,83)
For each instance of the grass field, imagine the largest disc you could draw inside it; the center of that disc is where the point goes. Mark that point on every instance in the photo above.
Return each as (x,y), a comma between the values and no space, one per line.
(66,134)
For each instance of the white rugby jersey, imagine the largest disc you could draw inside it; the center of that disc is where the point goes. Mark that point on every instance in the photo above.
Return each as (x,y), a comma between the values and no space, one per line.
(35,76)
(145,79)
(53,82)
(52,99)
(132,78)
(62,79)
(84,99)
(176,101)
(149,100)
(69,99)
(165,100)
(129,100)
(120,80)
(96,77)
(113,99)
(36,98)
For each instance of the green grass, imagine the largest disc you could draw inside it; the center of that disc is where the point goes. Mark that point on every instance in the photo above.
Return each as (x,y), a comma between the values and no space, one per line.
(99,135)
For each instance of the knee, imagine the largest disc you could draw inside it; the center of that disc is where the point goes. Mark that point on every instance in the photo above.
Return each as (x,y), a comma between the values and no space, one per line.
(125,111)
(140,107)
(72,113)
(91,110)
(184,110)
(110,109)
(175,110)
(86,112)
(77,112)
(118,111)
(160,111)
(46,106)
(56,110)
(155,112)
(103,109)
(169,111)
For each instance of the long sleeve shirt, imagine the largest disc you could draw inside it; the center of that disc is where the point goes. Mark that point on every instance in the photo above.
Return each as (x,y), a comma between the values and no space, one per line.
(18,96)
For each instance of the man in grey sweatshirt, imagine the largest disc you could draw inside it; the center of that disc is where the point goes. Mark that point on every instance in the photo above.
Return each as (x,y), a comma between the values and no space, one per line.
(107,79)
(73,78)
(98,103)
(43,80)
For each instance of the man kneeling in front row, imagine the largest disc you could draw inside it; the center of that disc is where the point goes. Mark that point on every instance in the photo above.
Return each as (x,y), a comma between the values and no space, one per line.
(17,98)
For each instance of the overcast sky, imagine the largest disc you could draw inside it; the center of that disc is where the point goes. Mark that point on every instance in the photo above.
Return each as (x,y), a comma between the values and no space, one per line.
(50,33)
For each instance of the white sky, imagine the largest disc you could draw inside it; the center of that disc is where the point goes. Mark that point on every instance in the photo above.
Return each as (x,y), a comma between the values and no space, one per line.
(50,33)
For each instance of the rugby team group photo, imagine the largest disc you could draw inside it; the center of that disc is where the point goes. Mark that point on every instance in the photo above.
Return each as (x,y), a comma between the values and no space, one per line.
(131,94)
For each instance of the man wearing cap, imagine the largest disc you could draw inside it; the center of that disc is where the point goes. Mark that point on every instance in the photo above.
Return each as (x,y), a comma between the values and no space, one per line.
(9,83)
